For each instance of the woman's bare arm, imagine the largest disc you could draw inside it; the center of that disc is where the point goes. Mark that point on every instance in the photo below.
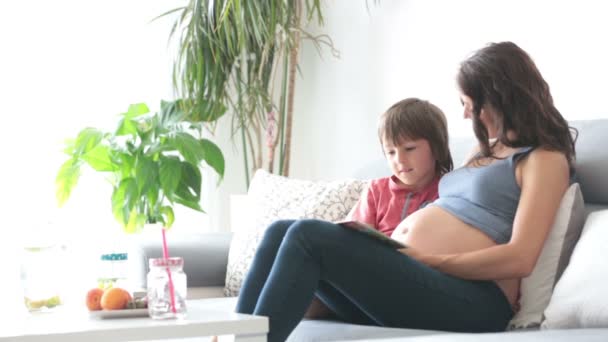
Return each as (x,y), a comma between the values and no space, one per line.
(544,180)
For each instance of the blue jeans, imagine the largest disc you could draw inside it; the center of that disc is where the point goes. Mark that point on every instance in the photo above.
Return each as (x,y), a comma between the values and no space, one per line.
(362,281)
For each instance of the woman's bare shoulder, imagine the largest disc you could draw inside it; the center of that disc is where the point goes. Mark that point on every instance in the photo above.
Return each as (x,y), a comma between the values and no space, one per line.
(542,156)
(547,164)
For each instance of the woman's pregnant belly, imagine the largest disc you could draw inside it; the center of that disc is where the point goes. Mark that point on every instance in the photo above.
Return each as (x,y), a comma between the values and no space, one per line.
(435,231)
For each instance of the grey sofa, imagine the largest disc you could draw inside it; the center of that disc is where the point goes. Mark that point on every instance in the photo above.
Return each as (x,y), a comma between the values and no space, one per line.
(207,254)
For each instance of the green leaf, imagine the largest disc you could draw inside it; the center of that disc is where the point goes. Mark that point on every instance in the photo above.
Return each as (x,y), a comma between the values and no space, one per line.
(189,187)
(195,205)
(99,159)
(188,146)
(126,162)
(124,198)
(86,140)
(136,222)
(170,172)
(152,195)
(213,156)
(137,109)
(145,127)
(171,112)
(156,147)
(126,126)
(66,180)
(168,216)
(203,111)
(146,173)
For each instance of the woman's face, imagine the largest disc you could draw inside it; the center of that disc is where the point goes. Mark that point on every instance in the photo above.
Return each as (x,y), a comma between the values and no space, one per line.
(485,116)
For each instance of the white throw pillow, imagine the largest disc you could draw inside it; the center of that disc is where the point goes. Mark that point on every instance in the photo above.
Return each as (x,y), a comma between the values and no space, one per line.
(580,299)
(275,197)
(536,289)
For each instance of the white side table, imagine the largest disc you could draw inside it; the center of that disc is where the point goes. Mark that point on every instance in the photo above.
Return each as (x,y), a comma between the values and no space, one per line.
(77,326)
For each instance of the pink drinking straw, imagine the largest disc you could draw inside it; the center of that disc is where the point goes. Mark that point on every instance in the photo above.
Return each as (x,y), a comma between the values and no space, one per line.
(166,257)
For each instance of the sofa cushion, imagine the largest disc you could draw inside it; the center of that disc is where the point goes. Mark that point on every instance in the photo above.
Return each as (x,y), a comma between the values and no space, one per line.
(580,297)
(275,197)
(536,289)
(324,330)
(592,159)
(561,335)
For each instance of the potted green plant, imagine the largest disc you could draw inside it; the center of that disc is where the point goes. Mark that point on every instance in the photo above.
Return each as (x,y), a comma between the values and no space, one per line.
(152,160)
(242,57)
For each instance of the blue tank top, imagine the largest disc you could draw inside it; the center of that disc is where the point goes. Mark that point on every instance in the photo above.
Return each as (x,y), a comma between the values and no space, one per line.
(485,197)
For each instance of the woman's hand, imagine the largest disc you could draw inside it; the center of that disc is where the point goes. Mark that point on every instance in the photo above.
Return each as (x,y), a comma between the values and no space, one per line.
(432,260)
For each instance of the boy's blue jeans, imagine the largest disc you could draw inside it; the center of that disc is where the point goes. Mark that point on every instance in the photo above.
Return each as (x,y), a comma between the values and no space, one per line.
(362,281)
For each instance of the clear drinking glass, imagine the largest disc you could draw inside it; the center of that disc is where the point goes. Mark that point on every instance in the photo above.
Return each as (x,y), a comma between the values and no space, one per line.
(164,300)
(41,278)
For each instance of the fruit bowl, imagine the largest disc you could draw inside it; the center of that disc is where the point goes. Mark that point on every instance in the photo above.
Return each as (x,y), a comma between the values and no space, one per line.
(116,302)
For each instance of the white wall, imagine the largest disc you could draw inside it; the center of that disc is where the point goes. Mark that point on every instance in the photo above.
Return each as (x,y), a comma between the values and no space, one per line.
(66,64)
(410,48)
(413,48)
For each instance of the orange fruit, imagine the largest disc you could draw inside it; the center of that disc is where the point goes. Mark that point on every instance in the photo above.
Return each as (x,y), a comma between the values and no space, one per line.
(115,298)
(93,299)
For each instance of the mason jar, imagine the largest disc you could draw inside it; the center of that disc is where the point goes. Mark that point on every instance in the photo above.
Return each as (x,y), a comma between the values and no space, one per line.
(166,288)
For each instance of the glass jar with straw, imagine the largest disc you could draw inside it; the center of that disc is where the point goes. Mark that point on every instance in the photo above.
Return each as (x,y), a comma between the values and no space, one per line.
(167,286)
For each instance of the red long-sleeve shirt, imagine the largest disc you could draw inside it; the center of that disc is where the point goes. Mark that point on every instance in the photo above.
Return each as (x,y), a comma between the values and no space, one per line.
(386,203)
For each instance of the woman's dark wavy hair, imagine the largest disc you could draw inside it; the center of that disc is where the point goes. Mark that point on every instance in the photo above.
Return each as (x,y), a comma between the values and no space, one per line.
(503,76)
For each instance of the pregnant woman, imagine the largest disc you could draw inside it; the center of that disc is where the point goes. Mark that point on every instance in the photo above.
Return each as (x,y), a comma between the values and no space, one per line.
(468,250)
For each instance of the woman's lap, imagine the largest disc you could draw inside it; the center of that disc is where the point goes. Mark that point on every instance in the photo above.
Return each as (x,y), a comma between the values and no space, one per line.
(360,278)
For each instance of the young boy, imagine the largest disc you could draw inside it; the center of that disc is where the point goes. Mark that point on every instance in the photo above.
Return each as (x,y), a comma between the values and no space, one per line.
(414,138)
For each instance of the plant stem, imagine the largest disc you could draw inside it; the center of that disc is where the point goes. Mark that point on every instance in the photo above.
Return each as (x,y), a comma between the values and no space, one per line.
(243,123)
(293,65)
(281,124)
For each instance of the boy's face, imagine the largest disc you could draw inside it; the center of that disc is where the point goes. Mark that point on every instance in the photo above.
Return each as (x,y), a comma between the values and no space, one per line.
(411,161)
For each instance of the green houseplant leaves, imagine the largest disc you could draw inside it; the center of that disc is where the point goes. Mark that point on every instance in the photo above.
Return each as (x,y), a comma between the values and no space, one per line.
(239,58)
(153,161)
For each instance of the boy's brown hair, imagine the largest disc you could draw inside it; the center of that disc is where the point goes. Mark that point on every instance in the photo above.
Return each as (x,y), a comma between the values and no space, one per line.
(413,119)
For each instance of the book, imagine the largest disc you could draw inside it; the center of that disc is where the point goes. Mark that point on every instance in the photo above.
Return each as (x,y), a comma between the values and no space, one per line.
(368,230)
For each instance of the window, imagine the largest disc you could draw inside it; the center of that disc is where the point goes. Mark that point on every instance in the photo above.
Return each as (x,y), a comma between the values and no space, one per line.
(65,65)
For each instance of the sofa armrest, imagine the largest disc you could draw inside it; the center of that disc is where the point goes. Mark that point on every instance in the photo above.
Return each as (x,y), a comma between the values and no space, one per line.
(205,256)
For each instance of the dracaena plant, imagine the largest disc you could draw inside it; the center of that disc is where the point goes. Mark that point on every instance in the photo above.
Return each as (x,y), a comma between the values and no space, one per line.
(153,161)
(240,57)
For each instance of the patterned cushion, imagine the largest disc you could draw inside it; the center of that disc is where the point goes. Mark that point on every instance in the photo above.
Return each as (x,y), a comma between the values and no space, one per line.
(275,197)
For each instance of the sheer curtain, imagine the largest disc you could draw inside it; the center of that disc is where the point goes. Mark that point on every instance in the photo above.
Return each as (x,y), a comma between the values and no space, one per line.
(65,65)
